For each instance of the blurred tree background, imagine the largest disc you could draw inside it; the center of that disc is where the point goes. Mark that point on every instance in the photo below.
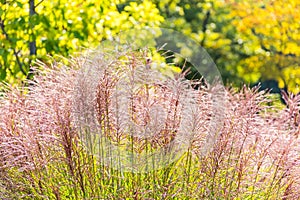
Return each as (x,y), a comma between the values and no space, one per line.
(35,29)
(250,41)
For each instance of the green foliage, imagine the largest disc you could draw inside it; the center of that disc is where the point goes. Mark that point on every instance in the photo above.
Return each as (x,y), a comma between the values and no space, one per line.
(249,41)
(62,28)
(210,25)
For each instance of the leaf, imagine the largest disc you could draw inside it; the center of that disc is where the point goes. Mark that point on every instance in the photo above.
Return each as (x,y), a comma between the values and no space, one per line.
(2,73)
(19,4)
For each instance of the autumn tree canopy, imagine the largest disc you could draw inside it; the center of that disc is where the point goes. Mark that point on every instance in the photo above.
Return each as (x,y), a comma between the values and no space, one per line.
(269,34)
(250,41)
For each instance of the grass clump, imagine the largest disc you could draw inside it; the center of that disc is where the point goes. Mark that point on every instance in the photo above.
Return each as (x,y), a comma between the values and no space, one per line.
(47,151)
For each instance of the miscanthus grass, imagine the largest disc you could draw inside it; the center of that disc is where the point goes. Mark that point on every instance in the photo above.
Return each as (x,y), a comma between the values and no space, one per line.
(45,155)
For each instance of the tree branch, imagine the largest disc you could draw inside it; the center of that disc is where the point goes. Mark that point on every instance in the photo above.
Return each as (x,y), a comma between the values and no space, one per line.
(32,44)
(2,26)
(39,3)
(204,27)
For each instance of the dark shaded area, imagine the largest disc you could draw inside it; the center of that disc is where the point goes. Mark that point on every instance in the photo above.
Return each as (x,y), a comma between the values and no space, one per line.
(272,87)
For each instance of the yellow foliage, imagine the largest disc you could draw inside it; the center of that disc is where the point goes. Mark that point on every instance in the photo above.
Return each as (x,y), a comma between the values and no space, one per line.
(274,29)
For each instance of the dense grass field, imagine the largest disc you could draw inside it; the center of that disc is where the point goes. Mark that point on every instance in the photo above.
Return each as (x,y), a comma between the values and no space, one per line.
(47,151)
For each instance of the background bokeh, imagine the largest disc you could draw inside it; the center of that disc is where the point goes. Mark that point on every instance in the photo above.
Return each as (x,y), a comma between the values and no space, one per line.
(250,41)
